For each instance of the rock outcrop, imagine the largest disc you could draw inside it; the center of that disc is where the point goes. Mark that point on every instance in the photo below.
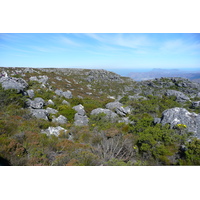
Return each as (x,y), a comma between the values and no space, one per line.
(39,113)
(177,115)
(54,131)
(180,96)
(110,115)
(80,118)
(67,94)
(60,119)
(17,84)
(40,79)
(118,108)
(37,103)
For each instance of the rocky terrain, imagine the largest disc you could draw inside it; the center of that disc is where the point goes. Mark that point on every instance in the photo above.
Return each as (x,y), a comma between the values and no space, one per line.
(52,116)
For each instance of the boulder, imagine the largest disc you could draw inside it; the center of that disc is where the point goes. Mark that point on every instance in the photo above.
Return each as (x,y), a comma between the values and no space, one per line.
(79,109)
(50,102)
(40,79)
(40,113)
(81,120)
(54,131)
(37,103)
(180,96)
(65,102)
(51,110)
(61,119)
(177,115)
(110,115)
(118,108)
(113,105)
(67,94)
(30,93)
(18,84)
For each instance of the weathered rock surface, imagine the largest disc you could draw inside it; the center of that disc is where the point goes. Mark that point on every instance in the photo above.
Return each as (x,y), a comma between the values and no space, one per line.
(79,109)
(54,131)
(18,84)
(110,115)
(67,94)
(65,102)
(37,103)
(136,97)
(40,113)
(180,96)
(30,93)
(61,119)
(51,110)
(40,79)
(118,108)
(80,118)
(177,115)
(50,102)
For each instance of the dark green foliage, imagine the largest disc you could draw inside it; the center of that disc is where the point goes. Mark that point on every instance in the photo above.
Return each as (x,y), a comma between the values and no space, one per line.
(66,111)
(8,97)
(191,155)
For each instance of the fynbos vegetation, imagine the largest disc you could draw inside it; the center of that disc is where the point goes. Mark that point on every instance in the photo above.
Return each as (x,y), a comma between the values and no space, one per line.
(78,117)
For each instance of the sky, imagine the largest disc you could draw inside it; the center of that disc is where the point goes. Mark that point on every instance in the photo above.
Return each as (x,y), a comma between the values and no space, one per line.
(101,50)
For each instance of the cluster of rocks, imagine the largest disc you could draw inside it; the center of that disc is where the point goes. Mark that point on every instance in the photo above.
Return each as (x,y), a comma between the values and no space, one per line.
(40,79)
(114,112)
(67,94)
(180,96)
(102,75)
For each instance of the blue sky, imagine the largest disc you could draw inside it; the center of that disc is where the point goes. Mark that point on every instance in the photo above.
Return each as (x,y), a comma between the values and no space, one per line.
(105,51)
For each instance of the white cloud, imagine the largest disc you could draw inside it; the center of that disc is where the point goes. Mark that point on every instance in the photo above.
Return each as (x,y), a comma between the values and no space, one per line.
(68,41)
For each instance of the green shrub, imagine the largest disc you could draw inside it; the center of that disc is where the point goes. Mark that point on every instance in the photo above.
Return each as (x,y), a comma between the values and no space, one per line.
(66,111)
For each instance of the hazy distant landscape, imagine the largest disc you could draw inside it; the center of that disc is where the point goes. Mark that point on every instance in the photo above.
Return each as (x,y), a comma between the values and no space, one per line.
(158,73)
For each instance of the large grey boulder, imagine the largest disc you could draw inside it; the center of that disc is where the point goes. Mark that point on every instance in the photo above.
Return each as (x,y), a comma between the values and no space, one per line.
(177,115)
(39,113)
(180,96)
(80,120)
(18,84)
(61,119)
(118,108)
(79,109)
(54,131)
(110,115)
(37,103)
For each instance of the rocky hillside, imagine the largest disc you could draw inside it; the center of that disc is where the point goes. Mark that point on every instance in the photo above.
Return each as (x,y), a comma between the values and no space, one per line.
(95,117)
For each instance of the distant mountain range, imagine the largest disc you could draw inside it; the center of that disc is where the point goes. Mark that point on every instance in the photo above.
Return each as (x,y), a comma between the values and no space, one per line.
(158,73)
